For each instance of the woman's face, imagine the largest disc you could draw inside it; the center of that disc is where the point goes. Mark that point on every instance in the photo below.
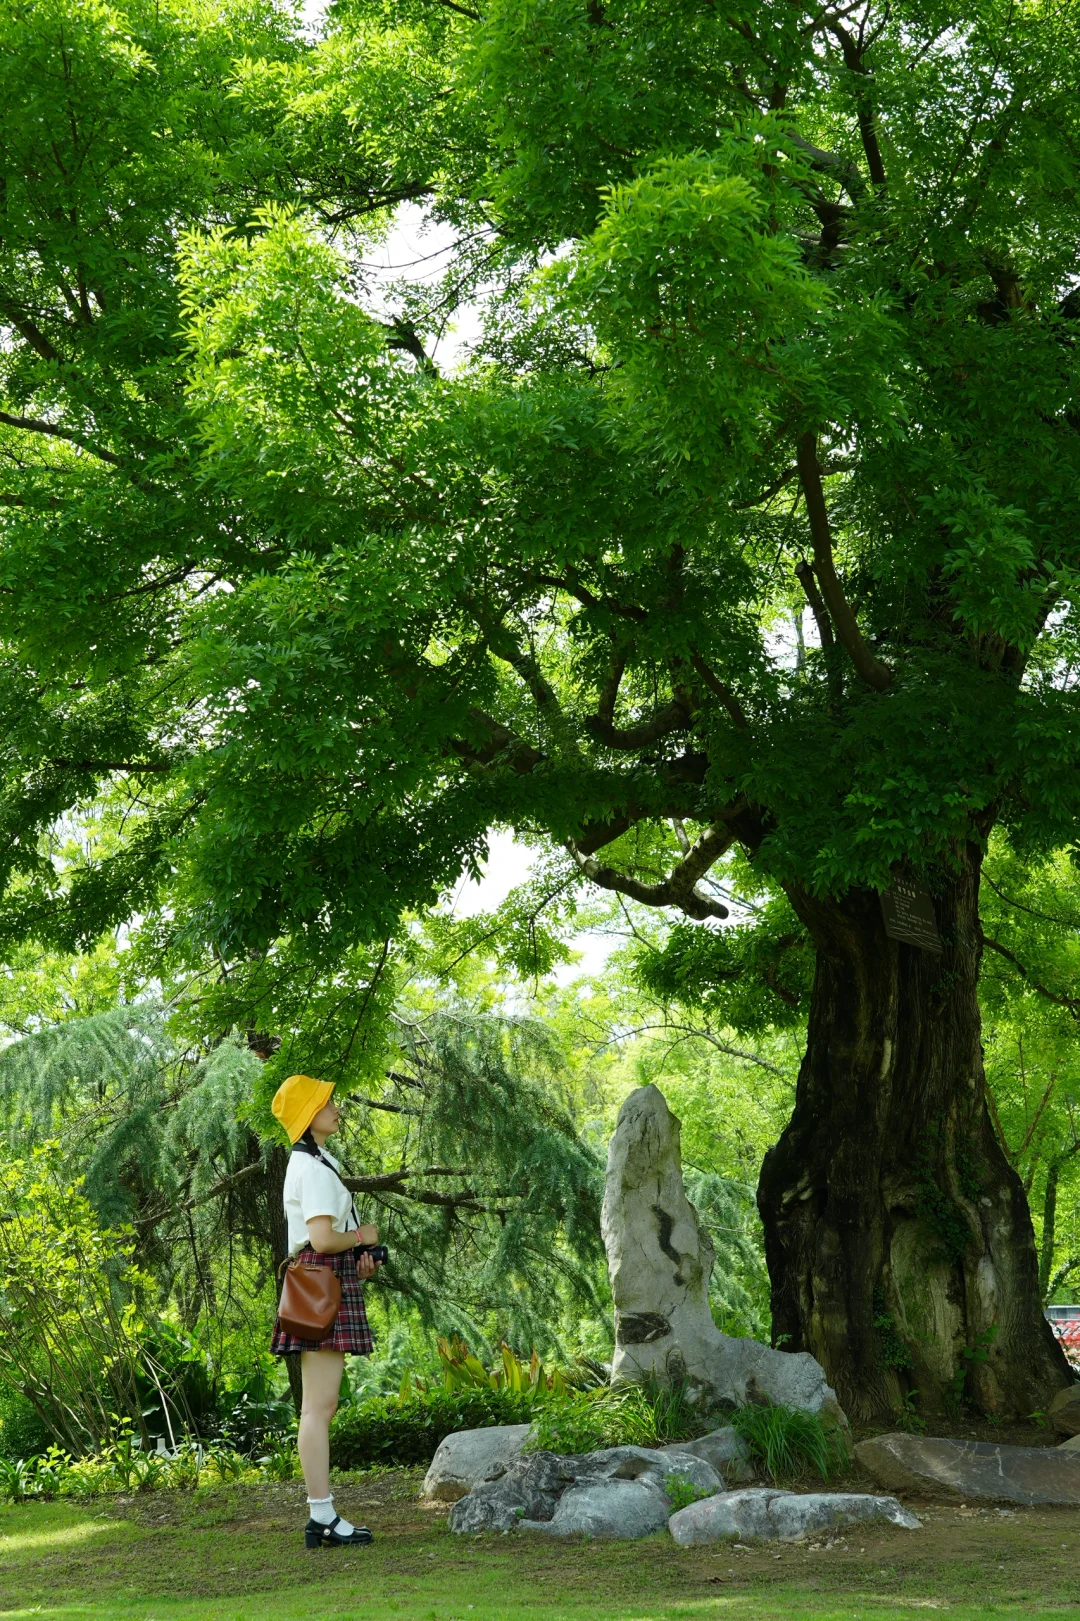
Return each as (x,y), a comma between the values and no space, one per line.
(327,1120)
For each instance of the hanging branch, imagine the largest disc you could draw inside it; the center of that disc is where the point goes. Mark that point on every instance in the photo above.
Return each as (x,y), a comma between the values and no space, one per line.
(868,667)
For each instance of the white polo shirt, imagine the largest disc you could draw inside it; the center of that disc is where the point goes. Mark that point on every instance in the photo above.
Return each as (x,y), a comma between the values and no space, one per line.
(313,1189)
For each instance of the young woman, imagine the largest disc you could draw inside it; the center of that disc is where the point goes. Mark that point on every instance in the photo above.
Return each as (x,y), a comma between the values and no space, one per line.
(323,1231)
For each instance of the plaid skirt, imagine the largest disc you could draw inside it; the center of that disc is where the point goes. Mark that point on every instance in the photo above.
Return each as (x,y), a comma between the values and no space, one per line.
(350,1331)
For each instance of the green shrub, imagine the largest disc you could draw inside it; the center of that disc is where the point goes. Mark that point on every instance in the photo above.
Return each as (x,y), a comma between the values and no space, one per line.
(645,1415)
(119,1467)
(464,1371)
(23,1433)
(681,1492)
(406,1430)
(575,1425)
(791,1443)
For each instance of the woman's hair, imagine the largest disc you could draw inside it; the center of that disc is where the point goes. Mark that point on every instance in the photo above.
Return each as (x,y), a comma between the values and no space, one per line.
(308,1140)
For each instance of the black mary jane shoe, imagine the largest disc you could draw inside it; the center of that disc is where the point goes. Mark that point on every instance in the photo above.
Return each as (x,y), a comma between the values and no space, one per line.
(325,1536)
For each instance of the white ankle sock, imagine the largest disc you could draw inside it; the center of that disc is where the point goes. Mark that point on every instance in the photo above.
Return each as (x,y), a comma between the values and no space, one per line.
(322,1512)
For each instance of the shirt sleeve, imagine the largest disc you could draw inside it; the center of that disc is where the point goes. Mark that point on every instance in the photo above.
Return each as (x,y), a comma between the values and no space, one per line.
(319,1191)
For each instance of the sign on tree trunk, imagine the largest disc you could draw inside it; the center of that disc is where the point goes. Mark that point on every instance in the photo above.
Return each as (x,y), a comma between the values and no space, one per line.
(908,912)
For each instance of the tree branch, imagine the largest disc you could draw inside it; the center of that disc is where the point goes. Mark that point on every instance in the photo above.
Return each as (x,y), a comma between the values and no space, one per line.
(864,110)
(609,692)
(505,646)
(35,425)
(502,744)
(29,330)
(869,668)
(714,1041)
(673,717)
(723,692)
(829,163)
(1072,1003)
(64,764)
(226,1185)
(680,887)
(1060,1275)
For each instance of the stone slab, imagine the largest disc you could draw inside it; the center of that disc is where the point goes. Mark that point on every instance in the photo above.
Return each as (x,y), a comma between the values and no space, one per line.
(972,1469)
(764,1514)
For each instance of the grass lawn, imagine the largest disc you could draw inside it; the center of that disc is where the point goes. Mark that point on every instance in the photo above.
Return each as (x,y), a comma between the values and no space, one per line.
(236,1554)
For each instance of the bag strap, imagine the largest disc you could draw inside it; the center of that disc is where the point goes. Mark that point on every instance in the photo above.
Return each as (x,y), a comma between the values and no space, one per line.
(313,1151)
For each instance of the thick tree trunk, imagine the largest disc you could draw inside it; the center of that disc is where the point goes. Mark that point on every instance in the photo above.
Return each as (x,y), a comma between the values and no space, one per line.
(898,1238)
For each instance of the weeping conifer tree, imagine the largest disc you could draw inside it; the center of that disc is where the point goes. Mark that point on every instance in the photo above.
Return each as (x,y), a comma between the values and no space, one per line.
(469,1162)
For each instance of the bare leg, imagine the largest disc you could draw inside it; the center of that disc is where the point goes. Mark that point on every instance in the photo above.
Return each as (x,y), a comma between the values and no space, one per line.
(322,1371)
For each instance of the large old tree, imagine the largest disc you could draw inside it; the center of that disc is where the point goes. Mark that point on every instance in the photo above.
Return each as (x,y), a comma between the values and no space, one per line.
(779,315)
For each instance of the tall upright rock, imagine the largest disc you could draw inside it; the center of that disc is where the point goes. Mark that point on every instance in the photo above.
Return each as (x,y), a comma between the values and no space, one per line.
(660,1260)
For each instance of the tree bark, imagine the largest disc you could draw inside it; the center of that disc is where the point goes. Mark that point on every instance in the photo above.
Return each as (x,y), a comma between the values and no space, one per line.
(277,1161)
(898,1238)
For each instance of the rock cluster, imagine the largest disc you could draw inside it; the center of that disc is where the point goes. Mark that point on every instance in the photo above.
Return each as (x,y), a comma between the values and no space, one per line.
(660,1261)
(624,1492)
(616,1492)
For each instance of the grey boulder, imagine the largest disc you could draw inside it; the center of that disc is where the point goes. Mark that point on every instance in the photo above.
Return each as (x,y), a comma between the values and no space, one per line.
(621,1508)
(469,1457)
(1064,1411)
(727,1452)
(972,1469)
(530,1491)
(1071,1445)
(763,1514)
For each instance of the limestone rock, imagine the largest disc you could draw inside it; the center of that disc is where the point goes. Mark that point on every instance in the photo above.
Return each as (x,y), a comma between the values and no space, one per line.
(469,1457)
(727,1452)
(531,1490)
(660,1260)
(1071,1445)
(1064,1411)
(972,1469)
(619,1508)
(764,1514)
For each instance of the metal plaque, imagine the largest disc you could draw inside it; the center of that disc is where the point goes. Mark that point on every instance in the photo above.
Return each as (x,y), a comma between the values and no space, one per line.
(908,912)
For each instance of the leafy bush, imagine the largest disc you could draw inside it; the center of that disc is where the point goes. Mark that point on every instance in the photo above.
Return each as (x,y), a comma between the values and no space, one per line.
(71,1329)
(578,1424)
(23,1432)
(790,1442)
(120,1467)
(464,1371)
(681,1492)
(406,1429)
(645,1415)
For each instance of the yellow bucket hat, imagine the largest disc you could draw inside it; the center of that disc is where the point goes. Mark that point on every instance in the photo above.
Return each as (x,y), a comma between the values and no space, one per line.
(297,1101)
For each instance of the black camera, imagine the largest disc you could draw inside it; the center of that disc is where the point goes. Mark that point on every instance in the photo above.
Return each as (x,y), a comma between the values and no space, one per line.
(378,1252)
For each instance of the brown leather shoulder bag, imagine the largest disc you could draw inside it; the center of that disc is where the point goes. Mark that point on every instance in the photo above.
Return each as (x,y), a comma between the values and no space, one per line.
(310,1300)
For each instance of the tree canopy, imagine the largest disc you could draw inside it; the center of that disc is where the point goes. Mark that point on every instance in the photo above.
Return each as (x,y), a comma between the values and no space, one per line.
(778,312)
(744,532)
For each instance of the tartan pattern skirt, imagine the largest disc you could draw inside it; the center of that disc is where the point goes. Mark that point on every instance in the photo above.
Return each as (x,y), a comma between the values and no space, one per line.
(350,1331)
